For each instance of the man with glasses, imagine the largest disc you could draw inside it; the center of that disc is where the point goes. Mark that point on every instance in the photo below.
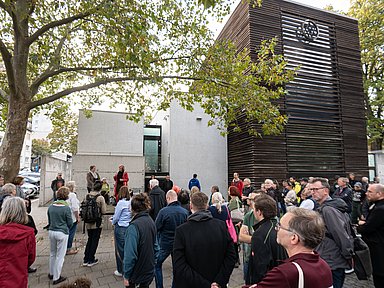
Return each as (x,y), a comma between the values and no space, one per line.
(266,253)
(372,230)
(299,232)
(337,246)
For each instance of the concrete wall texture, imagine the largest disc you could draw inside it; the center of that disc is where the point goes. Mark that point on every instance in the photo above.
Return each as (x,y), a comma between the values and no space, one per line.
(50,166)
(196,148)
(109,133)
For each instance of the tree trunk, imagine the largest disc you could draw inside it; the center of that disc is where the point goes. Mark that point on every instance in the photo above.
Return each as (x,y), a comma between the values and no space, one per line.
(12,145)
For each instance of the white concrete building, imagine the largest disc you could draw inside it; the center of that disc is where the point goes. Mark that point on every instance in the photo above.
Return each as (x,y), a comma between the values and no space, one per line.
(26,152)
(177,142)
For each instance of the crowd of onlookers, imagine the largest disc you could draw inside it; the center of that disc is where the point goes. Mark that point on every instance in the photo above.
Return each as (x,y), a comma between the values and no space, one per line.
(294,232)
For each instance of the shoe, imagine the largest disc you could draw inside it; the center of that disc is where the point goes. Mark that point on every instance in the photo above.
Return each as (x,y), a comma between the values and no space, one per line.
(50,276)
(71,252)
(85,264)
(90,264)
(61,279)
(32,270)
(117,273)
(349,271)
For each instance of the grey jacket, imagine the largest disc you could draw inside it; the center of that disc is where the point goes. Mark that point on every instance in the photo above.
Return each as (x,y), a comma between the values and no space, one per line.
(337,246)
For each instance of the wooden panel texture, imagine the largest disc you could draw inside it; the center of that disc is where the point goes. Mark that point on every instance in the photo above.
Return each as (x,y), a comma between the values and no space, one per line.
(326,131)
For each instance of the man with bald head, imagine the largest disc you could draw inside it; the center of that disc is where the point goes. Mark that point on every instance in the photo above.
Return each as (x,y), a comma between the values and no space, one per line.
(372,230)
(167,220)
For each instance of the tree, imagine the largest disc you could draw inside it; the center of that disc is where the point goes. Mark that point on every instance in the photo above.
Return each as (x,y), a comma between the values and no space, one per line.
(370,14)
(140,53)
(64,132)
(40,147)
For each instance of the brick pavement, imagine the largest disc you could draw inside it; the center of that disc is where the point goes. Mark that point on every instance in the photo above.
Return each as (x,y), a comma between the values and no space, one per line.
(102,273)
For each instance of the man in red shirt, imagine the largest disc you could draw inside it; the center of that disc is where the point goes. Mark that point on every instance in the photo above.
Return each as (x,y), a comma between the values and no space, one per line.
(299,232)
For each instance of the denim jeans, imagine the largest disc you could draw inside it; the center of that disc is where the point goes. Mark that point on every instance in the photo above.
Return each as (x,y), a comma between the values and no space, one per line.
(163,254)
(338,276)
(119,246)
(92,243)
(58,243)
(246,272)
(72,233)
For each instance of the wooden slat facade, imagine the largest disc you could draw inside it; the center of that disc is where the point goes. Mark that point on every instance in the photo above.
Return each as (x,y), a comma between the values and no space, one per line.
(326,131)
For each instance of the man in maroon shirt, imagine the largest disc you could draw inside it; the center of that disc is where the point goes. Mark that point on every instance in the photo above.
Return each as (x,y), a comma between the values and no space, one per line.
(299,232)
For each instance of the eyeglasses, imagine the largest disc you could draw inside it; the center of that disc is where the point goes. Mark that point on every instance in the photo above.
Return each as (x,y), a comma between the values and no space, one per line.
(278,227)
(315,189)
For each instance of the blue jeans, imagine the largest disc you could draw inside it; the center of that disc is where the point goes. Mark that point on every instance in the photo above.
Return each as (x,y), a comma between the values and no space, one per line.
(163,254)
(72,233)
(119,246)
(246,272)
(338,276)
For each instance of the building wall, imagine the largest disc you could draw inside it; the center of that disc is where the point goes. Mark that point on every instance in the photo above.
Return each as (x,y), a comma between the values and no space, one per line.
(196,148)
(41,126)
(106,140)
(50,166)
(109,133)
(162,118)
(324,104)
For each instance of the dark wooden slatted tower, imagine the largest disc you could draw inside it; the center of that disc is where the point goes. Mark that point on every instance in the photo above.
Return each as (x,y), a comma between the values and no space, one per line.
(326,131)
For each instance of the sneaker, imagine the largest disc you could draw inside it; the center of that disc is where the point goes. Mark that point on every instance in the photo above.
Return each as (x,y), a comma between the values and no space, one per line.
(90,264)
(85,264)
(32,270)
(50,276)
(117,273)
(349,271)
(61,279)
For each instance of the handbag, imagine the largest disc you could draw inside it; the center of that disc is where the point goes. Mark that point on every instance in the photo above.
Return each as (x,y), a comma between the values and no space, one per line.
(361,259)
(231,228)
(237,214)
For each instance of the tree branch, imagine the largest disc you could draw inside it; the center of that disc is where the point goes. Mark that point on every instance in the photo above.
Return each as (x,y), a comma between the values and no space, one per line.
(68,91)
(7,58)
(5,7)
(54,24)
(51,73)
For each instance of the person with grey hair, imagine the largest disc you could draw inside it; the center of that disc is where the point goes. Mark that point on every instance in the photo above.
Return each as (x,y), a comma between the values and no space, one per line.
(157,198)
(168,219)
(344,192)
(372,230)
(337,246)
(8,189)
(74,204)
(299,232)
(17,243)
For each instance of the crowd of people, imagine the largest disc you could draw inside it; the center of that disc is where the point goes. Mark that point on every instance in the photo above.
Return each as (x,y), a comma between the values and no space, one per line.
(296,236)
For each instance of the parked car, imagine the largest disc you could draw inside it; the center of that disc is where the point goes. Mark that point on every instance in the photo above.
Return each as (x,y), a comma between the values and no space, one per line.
(30,190)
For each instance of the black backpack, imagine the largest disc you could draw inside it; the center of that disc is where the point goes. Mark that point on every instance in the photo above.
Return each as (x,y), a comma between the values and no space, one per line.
(90,211)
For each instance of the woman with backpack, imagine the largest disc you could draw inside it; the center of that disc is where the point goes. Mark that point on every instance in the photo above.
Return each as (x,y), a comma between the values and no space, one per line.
(92,209)
(121,220)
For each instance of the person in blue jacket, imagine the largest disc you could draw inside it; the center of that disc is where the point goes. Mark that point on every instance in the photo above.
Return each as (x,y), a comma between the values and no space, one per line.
(194,182)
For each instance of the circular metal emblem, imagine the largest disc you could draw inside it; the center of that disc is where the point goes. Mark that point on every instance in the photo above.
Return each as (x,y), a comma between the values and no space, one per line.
(308,31)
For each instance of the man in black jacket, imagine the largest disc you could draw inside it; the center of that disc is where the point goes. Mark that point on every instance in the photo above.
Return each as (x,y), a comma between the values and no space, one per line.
(203,253)
(265,252)
(157,197)
(372,231)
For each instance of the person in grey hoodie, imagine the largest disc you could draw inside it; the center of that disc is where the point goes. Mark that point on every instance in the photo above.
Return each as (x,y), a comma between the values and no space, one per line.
(337,246)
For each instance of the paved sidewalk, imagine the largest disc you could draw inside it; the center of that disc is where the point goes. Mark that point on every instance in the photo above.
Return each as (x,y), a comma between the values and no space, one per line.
(102,273)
